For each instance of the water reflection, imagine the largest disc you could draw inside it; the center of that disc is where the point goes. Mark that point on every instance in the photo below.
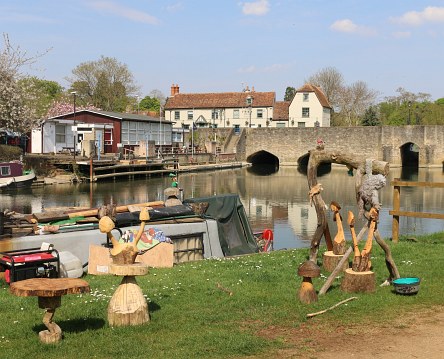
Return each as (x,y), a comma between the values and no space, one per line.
(263,170)
(278,201)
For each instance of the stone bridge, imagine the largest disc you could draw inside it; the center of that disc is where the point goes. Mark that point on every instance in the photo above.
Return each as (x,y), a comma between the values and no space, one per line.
(421,146)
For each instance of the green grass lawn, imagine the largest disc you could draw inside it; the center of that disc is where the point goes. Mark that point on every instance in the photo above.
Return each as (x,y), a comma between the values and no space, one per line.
(191,317)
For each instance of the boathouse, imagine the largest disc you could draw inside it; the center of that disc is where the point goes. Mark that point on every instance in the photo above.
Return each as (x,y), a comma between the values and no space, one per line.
(110,131)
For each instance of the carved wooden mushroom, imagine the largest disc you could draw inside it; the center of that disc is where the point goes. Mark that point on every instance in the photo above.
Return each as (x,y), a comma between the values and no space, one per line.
(308,270)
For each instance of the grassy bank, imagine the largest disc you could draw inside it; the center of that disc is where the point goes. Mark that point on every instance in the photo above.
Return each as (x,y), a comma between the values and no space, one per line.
(193,317)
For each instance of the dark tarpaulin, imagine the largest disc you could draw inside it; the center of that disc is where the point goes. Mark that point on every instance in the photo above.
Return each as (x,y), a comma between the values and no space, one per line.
(235,234)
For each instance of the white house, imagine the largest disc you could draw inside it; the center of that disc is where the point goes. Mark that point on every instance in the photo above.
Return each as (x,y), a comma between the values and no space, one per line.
(309,108)
(248,108)
(226,109)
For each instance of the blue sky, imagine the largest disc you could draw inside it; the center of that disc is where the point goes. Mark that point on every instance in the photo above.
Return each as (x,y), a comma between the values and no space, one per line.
(223,45)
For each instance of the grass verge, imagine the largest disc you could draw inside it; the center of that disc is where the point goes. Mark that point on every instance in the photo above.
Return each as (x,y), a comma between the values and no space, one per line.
(192,317)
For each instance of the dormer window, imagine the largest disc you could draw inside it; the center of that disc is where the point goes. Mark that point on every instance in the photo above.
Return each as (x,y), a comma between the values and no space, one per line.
(249,100)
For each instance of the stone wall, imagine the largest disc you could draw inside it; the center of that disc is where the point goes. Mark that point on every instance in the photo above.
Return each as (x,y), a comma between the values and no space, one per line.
(383,143)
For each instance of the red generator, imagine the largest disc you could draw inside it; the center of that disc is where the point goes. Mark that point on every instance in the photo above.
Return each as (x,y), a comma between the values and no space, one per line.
(29,263)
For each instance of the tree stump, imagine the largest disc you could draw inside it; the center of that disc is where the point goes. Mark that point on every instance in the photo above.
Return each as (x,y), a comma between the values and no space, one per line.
(354,282)
(128,306)
(331,260)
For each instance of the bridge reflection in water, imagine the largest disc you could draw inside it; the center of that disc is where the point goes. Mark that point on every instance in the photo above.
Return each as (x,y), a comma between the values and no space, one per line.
(272,199)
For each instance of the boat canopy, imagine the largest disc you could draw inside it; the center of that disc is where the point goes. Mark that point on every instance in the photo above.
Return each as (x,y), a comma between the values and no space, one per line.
(235,233)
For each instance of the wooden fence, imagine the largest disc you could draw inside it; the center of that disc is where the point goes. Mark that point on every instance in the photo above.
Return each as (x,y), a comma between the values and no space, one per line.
(396,212)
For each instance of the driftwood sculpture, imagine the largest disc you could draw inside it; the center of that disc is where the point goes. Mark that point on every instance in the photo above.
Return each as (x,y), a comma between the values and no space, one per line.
(370,177)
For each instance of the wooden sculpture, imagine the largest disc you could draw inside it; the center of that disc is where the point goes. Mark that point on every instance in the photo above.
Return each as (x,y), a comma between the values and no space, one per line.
(370,177)
(339,240)
(128,305)
(357,253)
(124,253)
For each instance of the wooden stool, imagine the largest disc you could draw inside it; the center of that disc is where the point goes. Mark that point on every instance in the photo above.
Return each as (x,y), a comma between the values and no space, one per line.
(128,306)
(49,292)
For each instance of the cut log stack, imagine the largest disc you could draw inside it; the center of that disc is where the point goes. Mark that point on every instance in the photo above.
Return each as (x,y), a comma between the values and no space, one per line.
(360,278)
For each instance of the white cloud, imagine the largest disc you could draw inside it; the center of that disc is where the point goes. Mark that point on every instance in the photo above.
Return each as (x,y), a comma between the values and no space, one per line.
(402,34)
(128,13)
(175,7)
(348,26)
(416,18)
(259,8)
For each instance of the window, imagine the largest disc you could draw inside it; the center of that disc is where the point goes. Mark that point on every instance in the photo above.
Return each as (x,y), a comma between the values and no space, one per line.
(235,113)
(60,135)
(249,100)
(305,97)
(214,114)
(189,115)
(177,115)
(5,171)
(305,111)
(301,124)
(260,114)
(280,124)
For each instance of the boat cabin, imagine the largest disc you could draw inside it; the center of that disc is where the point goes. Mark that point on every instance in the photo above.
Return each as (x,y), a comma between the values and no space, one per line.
(10,169)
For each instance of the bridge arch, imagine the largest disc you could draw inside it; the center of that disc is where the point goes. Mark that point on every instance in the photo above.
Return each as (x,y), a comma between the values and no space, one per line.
(409,155)
(263,157)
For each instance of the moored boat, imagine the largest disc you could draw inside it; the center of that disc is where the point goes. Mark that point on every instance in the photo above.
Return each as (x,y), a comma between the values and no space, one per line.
(200,228)
(12,176)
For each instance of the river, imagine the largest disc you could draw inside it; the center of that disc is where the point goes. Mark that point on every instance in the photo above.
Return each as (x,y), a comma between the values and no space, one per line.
(278,201)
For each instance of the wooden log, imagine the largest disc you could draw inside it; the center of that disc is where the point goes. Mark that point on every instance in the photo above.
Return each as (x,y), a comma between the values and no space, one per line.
(331,260)
(129,270)
(336,271)
(354,282)
(44,217)
(49,287)
(128,306)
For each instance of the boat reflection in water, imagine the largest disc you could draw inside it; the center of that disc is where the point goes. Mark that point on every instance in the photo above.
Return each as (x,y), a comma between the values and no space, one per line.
(278,200)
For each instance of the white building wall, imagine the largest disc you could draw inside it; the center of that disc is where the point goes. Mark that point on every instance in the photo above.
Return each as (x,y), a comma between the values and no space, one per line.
(225,117)
(316,111)
(36,141)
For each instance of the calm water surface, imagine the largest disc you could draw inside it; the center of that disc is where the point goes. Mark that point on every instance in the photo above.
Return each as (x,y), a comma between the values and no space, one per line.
(278,201)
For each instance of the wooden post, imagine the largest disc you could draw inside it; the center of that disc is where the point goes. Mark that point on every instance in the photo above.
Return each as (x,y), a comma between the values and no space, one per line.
(396,207)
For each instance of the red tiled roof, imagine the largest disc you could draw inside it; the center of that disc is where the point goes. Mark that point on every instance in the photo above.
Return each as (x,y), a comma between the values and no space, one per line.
(219,100)
(319,93)
(280,111)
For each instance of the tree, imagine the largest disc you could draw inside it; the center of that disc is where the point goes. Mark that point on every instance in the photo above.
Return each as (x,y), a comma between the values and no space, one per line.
(370,117)
(290,92)
(105,83)
(352,102)
(149,104)
(44,93)
(331,81)
(410,107)
(64,106)
(18,94)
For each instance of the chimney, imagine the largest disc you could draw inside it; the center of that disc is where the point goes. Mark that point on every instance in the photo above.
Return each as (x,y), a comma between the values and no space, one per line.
(172,90)
(176,92)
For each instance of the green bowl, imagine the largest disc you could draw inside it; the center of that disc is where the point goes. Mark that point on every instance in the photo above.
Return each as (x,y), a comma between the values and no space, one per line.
(408,285)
